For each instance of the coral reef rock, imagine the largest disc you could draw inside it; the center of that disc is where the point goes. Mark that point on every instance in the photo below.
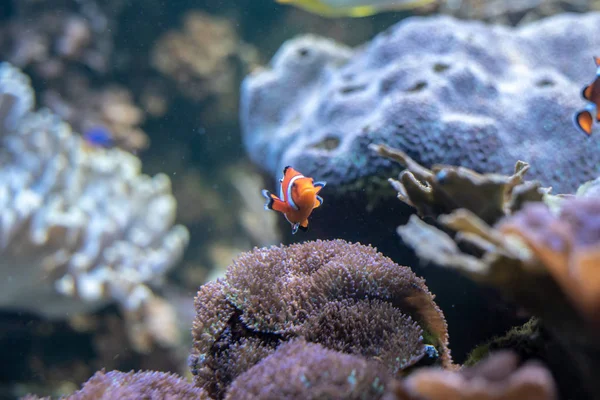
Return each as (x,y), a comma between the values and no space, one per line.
(81,226)
(346,297)
(149,385)
(440,89)
(498,377)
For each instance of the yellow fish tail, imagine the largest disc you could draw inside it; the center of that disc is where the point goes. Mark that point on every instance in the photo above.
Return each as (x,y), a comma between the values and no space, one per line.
(321,8)
(362,11)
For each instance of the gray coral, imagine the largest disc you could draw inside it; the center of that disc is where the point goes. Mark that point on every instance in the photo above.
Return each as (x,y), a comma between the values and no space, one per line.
(79,227)
(442,90)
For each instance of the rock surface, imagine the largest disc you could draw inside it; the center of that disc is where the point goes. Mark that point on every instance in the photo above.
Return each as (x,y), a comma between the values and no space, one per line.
(442,90)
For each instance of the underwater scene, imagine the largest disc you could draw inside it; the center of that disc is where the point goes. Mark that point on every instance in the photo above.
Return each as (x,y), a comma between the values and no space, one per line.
(300,199)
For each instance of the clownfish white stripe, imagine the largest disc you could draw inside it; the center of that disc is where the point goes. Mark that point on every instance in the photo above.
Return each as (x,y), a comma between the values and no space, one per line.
(289,191)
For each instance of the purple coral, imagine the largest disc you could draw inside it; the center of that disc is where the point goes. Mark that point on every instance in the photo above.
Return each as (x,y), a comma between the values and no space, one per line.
(305,371)
(347,297)
(441,90)
(149,385)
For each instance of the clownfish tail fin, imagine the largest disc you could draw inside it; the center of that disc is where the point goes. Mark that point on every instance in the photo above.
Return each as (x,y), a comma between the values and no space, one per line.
(269,203)
(274,203)
(583,121)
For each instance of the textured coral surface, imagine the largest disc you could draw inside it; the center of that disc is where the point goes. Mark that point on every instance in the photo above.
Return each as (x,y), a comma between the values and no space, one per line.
(444,91)
(346,297)
(306,371)
(148,385)
(81,227)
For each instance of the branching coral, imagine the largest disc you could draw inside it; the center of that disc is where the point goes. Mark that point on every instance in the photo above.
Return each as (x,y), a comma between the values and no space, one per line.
(446,188)
(81,227)
(497,378)
(345,296)
(147,385)
(301,370)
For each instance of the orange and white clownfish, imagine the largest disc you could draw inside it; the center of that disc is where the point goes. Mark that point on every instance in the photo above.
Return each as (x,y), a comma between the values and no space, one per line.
(298,197)
(584,119)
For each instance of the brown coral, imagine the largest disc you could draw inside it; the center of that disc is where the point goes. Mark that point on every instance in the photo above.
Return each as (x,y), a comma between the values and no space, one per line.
(301,370)
(201,57)
(497,378)
(148,385)
(345,296)
(446,188)
(110,108)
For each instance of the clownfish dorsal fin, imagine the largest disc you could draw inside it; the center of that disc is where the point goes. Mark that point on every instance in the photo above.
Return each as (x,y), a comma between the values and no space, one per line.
(583,121)
(286,168)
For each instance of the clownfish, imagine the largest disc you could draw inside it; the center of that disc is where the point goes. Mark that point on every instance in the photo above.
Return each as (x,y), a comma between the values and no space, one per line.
(298,197)
(584,119)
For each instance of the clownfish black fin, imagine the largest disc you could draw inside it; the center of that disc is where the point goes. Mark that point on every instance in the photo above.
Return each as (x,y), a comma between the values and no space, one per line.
(269,203)
(303,228)
(285,169)
(583,121)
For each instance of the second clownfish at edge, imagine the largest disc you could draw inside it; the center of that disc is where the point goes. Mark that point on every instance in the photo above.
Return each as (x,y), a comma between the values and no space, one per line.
(584,119)
(298,197)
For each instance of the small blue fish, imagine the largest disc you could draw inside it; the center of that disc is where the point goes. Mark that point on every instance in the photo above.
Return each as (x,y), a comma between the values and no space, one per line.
(99,136)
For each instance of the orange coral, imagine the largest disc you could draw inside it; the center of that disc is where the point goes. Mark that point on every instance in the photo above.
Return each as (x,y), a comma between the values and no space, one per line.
(568,245)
